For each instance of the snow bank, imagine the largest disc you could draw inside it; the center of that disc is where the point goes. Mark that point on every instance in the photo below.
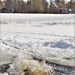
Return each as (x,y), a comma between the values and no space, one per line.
(42,19)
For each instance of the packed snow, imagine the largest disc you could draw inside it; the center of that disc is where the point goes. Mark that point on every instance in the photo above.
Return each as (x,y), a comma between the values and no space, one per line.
(44,36)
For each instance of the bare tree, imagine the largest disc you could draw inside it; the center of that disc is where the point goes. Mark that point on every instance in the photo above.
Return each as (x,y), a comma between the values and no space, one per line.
(71,4)
(1,4)
(8,4)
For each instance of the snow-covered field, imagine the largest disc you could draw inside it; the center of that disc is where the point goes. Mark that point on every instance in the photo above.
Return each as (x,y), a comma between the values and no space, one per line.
(44,36)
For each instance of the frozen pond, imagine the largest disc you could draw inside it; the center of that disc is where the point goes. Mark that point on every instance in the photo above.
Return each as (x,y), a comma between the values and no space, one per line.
(43,36)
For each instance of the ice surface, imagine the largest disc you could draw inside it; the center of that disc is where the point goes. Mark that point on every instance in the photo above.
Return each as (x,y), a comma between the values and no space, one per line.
(44,36)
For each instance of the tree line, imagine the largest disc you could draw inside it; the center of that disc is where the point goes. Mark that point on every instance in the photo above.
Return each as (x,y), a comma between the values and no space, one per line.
(37,6)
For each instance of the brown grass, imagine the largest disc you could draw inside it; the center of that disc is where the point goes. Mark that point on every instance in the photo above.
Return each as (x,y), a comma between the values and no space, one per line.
(36,72)
(28,67)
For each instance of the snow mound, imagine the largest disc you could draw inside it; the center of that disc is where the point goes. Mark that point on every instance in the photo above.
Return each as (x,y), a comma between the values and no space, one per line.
(61,44)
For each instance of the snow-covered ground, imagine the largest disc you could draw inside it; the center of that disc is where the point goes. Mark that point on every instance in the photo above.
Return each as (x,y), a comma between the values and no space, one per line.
(44,36)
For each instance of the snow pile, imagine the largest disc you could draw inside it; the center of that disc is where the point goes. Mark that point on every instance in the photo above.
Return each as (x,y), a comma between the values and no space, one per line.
(61,44)
(23,62)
